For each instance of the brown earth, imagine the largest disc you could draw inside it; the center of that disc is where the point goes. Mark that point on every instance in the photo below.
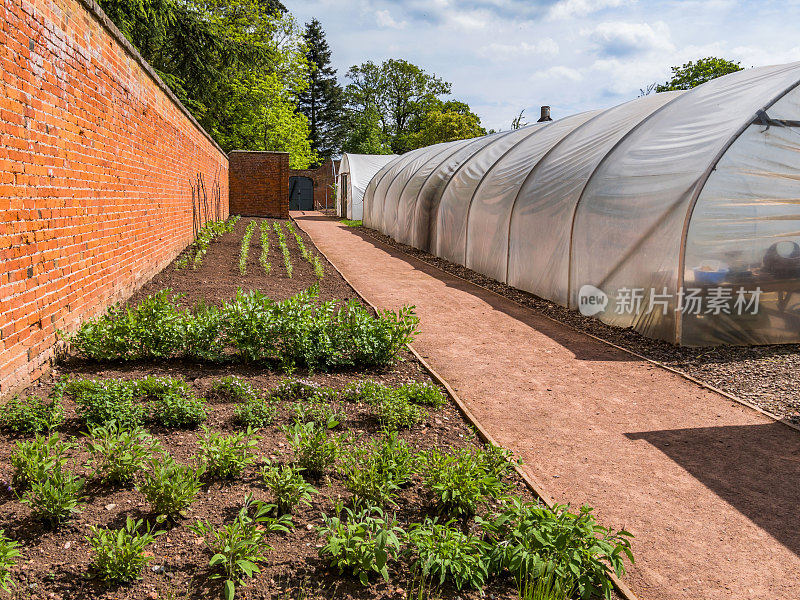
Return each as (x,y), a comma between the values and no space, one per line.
(56,563)
(707,485)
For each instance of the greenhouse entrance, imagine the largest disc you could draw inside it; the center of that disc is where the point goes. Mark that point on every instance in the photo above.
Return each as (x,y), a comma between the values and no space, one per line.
(301,193)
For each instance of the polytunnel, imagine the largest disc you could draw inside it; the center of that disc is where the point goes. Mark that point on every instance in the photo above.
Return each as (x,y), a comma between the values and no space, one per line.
(676,214)
(355,173)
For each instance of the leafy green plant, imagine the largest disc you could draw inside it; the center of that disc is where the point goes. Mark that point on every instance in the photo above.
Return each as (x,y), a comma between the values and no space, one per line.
(264,258)
(32,460)
(251,328)
(395,411)
(351,222)
(287,486)
(119,453)
(207,234)
(119,554)
(31,415)
(547,586)
(287,258)
(227,456)
(361,543)
(239,547)
(169,487)
(319,270)
(318,410)
(532,540)
(314,450)
(459,480)
(423,393)
(256,412)
(101,402)
(234,389)
(365,391)
(248,233)
(54,497)
(9,554)
(375,472)
(444,552)
(173,402)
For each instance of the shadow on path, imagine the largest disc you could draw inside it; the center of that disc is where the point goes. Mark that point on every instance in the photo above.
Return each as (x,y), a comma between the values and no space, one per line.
(754,468)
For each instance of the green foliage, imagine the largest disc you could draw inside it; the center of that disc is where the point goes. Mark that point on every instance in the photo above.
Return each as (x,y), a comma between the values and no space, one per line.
(425,394)
(314,450)
(118,454)
(352,223)
(31,415)
(397,105)
(248,233)
(256,412)
(9,554)
(173,402)
(361,543)
(287,486)
(461,480)
(32,460)
(237,66)
(375,472)
(692,74)
(169,487)
(287,258)
(208,233)
(299,331)
(531,540)
(106,401)
(54,497)
(119,554)
(239,547)
(319,270)
(234,389)
(227,456)
(317,409)
(264,258)
(321,101)
(395,411)
(444,122)
(444,552)
(129,403)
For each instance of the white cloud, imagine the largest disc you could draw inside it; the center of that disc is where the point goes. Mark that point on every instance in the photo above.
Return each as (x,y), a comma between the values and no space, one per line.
(566,9)
(557,72)
(618,38)
(543,47)
(384,19)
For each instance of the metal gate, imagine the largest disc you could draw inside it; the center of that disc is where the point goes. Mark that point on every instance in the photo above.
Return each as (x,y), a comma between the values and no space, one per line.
(301,193)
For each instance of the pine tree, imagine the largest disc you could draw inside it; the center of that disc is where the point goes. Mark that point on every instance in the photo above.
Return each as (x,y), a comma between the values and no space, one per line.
(322,101)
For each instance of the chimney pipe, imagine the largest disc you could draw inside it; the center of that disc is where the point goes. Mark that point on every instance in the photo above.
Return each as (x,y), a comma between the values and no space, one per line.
(545,115)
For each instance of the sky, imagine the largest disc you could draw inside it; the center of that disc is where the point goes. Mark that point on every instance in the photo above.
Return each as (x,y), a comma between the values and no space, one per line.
(503,56)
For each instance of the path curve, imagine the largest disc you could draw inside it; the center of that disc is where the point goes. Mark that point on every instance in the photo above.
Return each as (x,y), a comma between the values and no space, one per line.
(708,487)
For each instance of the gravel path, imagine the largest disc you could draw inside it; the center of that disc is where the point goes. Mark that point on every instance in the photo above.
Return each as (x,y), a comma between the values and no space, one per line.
(767,376)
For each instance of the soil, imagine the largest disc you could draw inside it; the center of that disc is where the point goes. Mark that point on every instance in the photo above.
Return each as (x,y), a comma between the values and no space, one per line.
(55,564)
(766,376)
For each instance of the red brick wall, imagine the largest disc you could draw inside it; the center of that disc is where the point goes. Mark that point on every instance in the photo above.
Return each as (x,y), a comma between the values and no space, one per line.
(96,159)
(259,183)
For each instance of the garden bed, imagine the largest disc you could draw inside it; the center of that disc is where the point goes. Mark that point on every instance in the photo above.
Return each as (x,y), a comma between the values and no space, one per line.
(763,375)
(57,562)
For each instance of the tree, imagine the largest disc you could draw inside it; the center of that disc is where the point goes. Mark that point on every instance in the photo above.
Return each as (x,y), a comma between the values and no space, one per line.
(408,105)
(236,65)
(444,122)
(693,74)
(364,134)
(519,121)
(322,100)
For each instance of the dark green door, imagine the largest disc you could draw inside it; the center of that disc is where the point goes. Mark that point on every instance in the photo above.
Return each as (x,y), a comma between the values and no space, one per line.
(301,193)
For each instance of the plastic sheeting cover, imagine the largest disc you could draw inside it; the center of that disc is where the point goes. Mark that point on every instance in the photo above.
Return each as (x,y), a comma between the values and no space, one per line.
(360,169)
